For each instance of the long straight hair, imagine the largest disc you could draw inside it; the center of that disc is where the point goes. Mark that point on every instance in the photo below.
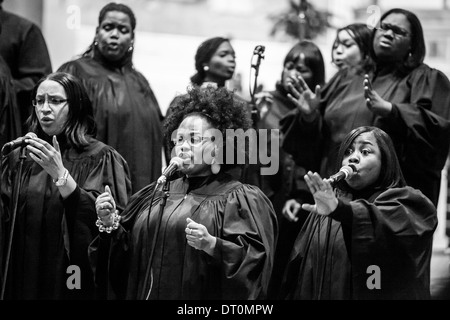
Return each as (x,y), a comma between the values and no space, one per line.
(80,125)
(391,175)
(418,49)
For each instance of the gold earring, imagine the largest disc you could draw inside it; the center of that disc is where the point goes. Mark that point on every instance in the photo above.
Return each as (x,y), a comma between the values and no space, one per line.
(205,68)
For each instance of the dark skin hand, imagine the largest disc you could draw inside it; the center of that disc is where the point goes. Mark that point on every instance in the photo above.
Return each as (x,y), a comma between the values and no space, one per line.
(374,102)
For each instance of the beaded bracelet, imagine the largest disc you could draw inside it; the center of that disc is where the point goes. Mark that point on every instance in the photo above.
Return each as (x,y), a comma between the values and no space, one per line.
(114,226)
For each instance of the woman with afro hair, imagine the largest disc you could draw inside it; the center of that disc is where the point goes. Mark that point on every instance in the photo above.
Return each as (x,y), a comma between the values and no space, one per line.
(202,236)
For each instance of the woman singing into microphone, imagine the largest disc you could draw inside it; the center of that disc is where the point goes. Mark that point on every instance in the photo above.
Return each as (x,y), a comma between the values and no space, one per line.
(216,236)
(371,237)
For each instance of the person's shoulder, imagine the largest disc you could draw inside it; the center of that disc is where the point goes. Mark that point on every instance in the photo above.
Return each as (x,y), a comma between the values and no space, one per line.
(19,22)
(236,187)
(84,67)
(424,72)
(97,148)
(75,63)
(424,68)
(407,195)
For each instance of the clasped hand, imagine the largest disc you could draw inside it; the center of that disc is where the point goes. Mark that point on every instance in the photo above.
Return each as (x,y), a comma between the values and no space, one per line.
(324,196)
(198,237)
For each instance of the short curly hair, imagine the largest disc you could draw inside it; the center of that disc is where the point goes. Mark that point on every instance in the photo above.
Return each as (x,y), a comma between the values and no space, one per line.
(218,106)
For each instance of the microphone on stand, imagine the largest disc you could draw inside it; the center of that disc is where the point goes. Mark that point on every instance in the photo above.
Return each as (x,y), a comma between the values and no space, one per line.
(258,52)
(259,49)
(346,172)
(176,163)
(19,142)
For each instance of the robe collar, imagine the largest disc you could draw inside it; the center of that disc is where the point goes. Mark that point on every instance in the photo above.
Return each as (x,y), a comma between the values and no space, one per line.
(125,62)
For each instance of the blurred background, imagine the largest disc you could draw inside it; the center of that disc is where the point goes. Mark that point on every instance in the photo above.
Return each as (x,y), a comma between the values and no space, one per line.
(168,33)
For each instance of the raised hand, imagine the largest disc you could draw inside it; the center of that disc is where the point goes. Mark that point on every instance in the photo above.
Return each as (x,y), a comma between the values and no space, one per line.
(324,196)
(374,102)
(105,206)
(303,97)
(47,156)
(290,210)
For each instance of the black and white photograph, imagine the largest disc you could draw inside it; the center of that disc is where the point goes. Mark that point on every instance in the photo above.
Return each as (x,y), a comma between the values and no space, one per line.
(228,158)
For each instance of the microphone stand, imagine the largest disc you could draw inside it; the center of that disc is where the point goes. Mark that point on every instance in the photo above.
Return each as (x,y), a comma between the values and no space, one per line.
(16,193)
(303,23)
(259,53)
(162,204)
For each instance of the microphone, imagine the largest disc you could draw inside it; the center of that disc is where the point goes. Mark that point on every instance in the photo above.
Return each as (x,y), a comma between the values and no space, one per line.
(259,49)
(175,164)
(19,142)
(346,172)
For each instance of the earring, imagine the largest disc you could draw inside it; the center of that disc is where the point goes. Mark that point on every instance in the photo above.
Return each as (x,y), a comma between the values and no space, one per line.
(205,68)
(95,43)
(130,48)
(215,167)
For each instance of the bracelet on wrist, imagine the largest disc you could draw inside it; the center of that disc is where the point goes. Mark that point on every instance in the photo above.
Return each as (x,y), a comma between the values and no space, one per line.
(101,226)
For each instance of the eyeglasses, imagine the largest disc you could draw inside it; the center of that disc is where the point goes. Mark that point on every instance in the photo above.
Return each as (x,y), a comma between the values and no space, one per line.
(54,102)
(397,31)
(192,140)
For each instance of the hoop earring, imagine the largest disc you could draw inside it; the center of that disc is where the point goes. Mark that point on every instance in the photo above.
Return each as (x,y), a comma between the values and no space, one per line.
(205,68)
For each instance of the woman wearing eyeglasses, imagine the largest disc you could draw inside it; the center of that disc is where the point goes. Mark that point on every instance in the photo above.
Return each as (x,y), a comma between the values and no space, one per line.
(65,169)
(213,237)
(399,94)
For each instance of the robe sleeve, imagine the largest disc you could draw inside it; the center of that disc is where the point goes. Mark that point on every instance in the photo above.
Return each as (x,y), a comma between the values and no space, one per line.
(394,233)
(246,247)
(423,117)
(109,254)
(80,214)
(10,127)
(303,138)
(33,60)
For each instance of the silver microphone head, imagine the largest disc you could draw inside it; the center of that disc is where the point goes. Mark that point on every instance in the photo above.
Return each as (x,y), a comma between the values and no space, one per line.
(349,171)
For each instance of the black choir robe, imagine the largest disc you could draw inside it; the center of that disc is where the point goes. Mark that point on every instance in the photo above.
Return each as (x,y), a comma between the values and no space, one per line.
(51,233)
(419,124)
(126,111)
(239,215)
(287,183)
(10,127)
(390,229)
(24,50)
